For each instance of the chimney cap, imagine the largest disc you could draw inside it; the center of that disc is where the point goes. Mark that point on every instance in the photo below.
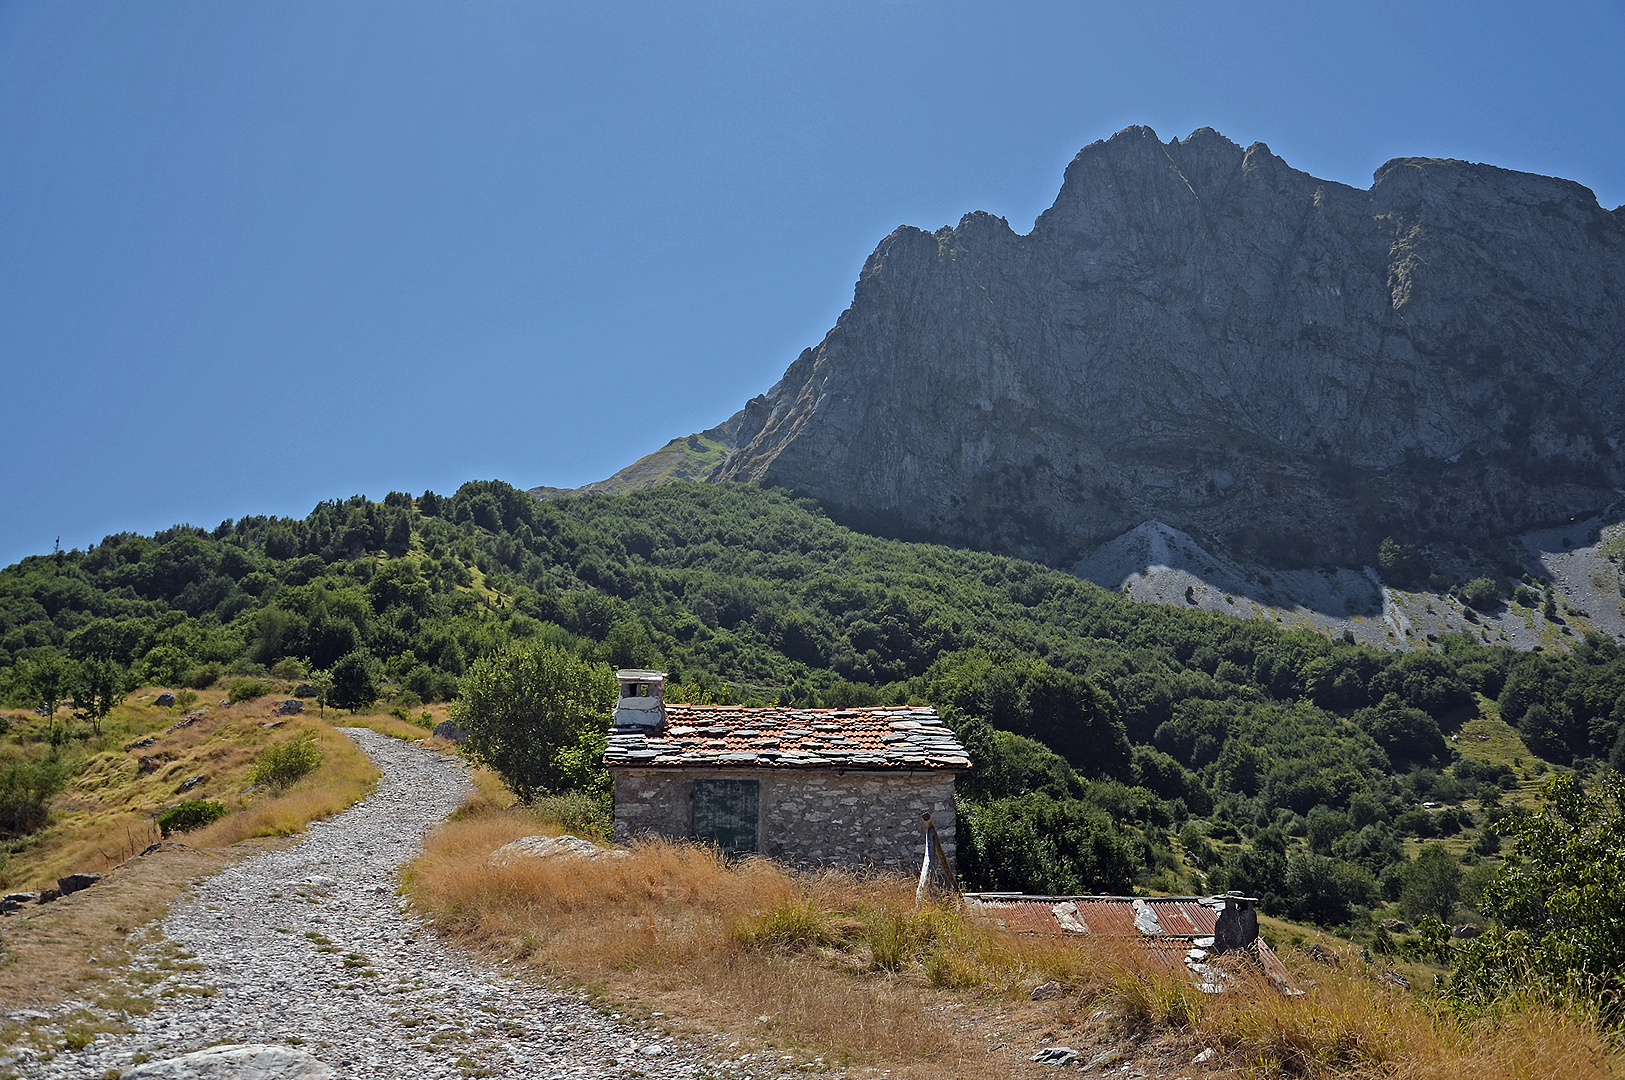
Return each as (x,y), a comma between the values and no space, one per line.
(637,675)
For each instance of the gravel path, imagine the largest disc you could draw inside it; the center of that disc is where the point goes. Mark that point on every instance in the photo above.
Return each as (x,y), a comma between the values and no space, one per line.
(311,944)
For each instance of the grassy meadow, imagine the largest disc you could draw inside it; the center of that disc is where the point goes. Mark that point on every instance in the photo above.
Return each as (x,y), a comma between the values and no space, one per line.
(845,969)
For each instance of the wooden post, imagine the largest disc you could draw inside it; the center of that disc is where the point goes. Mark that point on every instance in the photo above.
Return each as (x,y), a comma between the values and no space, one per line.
(936,876)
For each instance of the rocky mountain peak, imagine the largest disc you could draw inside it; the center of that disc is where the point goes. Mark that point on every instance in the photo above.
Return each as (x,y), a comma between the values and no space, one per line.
(1200,334)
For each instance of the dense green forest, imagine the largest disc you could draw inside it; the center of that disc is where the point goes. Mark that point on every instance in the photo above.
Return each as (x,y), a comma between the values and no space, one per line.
(1117,743)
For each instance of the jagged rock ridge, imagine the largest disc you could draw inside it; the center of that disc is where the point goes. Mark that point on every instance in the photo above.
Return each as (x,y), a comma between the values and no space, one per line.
(1201,335)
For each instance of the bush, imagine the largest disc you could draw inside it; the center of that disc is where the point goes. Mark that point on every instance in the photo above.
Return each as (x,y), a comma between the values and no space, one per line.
(247,689)
(26,791)
(204,676)
(189,815)
(290,667)
(282,765)
(1481,593)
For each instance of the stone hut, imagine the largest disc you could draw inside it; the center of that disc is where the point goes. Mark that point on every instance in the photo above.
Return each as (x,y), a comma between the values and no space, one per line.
(810,787)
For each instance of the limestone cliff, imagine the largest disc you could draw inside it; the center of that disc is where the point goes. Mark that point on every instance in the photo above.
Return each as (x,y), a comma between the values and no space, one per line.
(1199,334)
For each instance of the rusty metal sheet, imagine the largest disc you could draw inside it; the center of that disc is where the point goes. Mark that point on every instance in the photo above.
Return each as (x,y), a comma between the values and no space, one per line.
(1185,924)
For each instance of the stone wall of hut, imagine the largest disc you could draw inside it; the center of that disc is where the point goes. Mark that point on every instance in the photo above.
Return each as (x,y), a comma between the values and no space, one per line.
(805,817)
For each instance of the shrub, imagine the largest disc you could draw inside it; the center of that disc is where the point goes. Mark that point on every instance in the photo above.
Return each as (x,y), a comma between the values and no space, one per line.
(1481,593)
(581,813)
(204,676)
(189,815)
(794,925)
(290,667)
(247,689)
(185,699)
(26,791)
(286,764)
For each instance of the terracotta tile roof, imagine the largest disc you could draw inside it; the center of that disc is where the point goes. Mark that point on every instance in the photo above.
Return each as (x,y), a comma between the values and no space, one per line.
(1176,931)
(783,737)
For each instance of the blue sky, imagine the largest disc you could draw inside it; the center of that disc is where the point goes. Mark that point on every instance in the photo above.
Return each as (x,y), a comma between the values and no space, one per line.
(253,256)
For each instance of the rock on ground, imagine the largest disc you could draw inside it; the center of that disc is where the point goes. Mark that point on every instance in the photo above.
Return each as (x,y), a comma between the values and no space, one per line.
(235,1063)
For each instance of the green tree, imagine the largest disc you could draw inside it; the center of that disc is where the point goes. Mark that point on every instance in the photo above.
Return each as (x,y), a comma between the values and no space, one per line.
(1481,593)
(1036,844)
(100,684)
(353,685)
(528,709)
(1431,884)
(46,678)
(1557,901)
(321,682)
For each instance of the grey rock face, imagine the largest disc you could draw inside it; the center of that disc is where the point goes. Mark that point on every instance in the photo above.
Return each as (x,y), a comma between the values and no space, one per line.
(449,731)
(164,700)
(76,882)
(1199,334)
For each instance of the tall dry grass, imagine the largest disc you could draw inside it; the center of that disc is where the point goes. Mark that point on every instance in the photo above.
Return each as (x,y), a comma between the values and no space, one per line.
(343,779)
(846,966)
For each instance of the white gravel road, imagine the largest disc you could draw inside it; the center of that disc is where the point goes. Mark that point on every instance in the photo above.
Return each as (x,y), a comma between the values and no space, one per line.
(309,947)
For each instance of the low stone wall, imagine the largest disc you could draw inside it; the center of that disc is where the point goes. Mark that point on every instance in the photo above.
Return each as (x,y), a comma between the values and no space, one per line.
(806,817)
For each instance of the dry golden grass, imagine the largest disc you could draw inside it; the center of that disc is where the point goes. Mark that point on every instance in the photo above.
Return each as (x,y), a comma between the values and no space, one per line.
(107,813)
(343,779)
(846,967)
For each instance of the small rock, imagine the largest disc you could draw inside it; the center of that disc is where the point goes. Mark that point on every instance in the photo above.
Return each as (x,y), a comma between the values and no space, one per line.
(22,897)
(450,732)
(290,707)
(164,700)
(236,1063)
(75,882)
(1206,1057)
(1103,1059)
(304,690)
(1466,930)
(1058,1056)
(142,744)
(1047,991)
(653,1050)
(1319,953)
(548,847)
(146,763)
(1395,979)
(8,906)
(47,895)
(1396,926)
(192,783)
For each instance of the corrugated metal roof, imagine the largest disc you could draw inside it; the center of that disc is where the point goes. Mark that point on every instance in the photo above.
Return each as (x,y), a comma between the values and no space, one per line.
(783,737)
(1176,931)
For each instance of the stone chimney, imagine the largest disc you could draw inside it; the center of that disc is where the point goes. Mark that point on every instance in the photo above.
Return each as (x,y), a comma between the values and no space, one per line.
(642,703)
(1237,924)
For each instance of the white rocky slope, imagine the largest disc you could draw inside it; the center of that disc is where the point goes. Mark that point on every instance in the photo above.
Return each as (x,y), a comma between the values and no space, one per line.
(1156,563)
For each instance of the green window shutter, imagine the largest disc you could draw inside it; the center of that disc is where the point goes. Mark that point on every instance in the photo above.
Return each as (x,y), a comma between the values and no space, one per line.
(725,814)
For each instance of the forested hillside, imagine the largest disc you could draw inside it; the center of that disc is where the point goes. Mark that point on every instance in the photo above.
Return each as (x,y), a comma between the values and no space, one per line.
(1281,761)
